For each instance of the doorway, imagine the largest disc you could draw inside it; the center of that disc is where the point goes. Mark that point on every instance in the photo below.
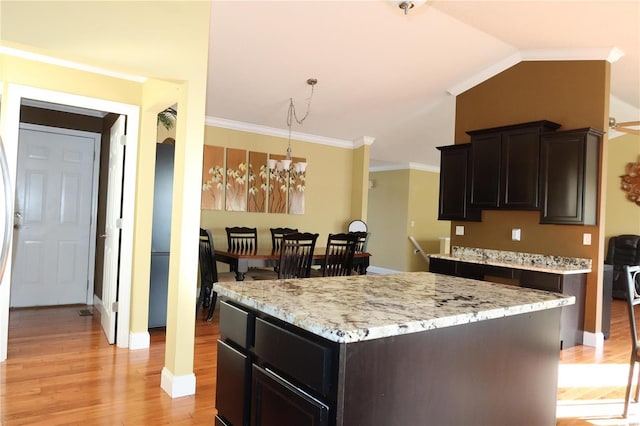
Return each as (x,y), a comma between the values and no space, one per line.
(14,96)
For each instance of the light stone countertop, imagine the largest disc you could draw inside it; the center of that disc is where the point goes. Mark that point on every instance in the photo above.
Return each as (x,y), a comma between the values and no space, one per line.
(364,307)
(559,265)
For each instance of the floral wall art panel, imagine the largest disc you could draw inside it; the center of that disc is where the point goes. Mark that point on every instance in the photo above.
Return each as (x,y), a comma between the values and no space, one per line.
(236,188)
(278,180)
(297,177)
(258,181)
(212,178)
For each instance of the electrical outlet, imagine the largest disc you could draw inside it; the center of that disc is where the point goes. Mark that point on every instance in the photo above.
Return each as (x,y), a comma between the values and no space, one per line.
(459,230)
(515,234)
(586,239)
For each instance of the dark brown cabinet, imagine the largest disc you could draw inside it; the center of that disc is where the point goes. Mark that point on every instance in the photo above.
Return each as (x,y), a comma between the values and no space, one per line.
(569,176)
(505,165)
(269,374)
(454,197)
(277,402)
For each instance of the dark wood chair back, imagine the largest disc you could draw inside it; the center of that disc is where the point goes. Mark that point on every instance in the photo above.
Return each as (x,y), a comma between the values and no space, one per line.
(632,274)
(276,237)
(296,255)
(208,274)
(338,258)
(362,240)
(242,240)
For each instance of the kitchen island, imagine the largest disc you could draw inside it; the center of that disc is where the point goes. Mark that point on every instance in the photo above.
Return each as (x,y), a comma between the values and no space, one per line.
(405,349)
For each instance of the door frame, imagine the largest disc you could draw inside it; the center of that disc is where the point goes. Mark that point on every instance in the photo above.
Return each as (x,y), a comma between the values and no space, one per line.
(12,100)
(94,194)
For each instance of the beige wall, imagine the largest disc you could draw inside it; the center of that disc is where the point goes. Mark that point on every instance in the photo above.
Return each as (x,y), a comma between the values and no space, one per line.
(328,193)
(574,94)
(131,37)
(398,198)
(623,216)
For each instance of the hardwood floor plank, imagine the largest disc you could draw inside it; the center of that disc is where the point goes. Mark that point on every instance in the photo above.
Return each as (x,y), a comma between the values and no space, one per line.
(61,371)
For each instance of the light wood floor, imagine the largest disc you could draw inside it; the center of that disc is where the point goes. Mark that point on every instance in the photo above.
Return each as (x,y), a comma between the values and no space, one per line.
(61,371)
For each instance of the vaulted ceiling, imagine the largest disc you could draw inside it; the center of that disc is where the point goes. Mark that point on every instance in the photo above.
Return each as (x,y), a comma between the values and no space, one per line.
(393,77)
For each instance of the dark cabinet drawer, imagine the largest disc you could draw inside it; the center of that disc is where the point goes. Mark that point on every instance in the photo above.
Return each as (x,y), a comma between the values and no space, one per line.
(277,402)
(477,271)
(232,382)
(236,324)
(302,359)
(441,266)
(541,281)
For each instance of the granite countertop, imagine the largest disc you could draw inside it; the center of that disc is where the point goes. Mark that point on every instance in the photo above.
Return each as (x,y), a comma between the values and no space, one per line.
(534,262)
(364,307)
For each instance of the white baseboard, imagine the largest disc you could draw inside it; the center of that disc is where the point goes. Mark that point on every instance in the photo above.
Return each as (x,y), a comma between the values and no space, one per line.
(382,271)
(177,386)
(97,303)
(139,340)
(595,340)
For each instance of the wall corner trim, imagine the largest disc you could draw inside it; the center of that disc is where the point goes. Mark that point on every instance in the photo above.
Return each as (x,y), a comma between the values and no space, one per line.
(139,340)
(595,340)
(177,386)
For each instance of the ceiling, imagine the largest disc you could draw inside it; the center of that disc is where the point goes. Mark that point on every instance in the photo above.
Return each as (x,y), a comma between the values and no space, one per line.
(391,77)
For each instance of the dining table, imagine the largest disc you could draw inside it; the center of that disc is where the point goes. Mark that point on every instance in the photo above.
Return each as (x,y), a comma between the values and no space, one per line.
(241,262)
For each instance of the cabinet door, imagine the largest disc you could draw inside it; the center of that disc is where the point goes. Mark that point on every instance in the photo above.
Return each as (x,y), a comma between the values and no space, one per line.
(443,266)
(569,177)
(454,184)
(277,402)
(520,169)
(232,385)
(485,170)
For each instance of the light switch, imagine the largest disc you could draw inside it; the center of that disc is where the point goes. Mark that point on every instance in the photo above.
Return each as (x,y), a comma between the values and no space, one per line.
(459,230)
(586,239)
(515,234)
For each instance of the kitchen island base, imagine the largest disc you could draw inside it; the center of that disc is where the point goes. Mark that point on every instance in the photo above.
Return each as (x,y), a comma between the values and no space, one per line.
(501,371)
(498,372)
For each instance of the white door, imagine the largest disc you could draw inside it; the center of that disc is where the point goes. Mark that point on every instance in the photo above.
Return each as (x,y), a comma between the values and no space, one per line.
(53,216)
(112,229)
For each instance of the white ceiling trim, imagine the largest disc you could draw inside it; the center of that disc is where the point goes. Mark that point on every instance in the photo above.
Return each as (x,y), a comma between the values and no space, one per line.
(610,54)
(280,133)
(405,166)
(70,64)
(364,140)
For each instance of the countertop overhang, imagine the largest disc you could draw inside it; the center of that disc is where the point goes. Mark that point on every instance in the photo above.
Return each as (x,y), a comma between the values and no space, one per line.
(365,307)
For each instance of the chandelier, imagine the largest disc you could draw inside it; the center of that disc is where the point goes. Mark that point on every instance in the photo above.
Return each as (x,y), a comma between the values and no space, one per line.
(298,167)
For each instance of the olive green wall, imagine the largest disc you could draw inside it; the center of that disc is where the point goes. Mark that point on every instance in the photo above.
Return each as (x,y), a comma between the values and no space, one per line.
(404,203)
(328,192)
(387,220)
(622,216)
(574,94)
(423,211)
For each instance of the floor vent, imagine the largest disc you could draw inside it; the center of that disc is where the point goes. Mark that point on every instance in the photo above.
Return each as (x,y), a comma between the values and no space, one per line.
(85,312)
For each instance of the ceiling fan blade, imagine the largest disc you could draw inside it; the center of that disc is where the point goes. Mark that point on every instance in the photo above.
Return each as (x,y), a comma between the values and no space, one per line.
(629,123)
(627,130)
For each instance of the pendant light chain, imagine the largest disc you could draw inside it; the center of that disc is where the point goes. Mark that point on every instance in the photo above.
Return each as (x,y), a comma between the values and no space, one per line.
(291,115)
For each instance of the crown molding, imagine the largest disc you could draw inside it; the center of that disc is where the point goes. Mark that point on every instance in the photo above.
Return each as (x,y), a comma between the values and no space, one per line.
(69,64)
(364,140)
(280,133)
(610,54)
(405,166)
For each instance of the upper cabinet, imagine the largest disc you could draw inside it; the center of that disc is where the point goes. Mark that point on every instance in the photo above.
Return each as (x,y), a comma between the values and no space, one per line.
(528,166)
(455,183)
(569,176)
(505,165)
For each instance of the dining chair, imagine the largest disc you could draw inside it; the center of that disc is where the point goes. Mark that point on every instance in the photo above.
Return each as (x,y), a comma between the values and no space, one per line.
(296,255)
(338,258)
(209,274)
(242,239)
(276,237)
(632,280)
(361,247)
